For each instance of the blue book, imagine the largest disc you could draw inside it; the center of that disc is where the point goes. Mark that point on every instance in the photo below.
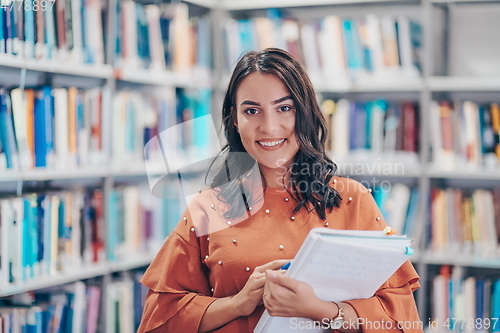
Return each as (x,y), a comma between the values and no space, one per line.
(354,53)
(50,32)
(7,32)
(29,27)
(137,304)
(112,225)
(40,129)
(118,31)
(39,318)
(80,122)
(26,240)
(246,30)
(486,130)
(61,219)
(130,127)
(450,296)
(479,298)
(143,36)
(416,36)
(411,215)
(45,234)
(495,306)
(360,126)
(11,136)
(201,134)
(83,15)
(184,113)
(67,325)
(5,138)
(165,36)
(3,36)
(352,125)
(368,124)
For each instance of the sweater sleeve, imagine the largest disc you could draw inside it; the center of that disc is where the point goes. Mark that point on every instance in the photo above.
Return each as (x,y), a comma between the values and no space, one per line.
(179,290)
(393,307)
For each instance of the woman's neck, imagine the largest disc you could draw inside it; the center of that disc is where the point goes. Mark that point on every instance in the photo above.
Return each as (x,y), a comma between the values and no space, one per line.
(275,178)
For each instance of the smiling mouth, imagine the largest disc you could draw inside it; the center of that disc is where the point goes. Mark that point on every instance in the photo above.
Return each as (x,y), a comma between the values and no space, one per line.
(272,143)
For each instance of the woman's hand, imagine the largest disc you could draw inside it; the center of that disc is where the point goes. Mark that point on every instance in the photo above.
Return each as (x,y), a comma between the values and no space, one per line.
(251,295)
(286,297)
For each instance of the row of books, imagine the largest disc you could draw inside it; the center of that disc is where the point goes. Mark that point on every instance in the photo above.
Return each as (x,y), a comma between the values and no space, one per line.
(49,234)
(464,304)
(334,49)
(51,128)
(398,203)
(125,304)
(465,135)
(68,30)
(138,222)
(464,221)
(179,119)
(160,37)
(61,129)
(79,307)
(376,126)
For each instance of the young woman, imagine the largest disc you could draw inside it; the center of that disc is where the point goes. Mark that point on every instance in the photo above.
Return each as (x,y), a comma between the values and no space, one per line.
(219,269)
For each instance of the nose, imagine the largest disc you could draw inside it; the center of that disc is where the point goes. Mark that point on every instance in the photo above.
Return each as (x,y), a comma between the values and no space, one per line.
(269,122)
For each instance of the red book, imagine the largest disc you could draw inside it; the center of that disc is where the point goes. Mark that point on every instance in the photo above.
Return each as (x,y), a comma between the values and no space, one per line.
(410,127)
(446,125)
(97,228)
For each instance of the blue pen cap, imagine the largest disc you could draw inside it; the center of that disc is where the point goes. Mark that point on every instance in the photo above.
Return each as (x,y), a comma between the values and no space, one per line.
(286,266)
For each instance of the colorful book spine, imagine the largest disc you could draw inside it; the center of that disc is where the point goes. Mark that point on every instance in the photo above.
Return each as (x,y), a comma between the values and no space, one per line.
(464,221)
(373,127)
(335,51)
(463,135)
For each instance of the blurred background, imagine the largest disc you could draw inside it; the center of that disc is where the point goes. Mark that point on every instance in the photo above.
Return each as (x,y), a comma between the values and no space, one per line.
(410,91)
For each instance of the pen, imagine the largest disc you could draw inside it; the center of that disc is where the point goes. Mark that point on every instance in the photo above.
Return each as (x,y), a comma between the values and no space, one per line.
(286,266)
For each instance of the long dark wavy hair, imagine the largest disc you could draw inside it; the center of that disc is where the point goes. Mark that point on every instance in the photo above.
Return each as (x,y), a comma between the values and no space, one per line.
(310,130)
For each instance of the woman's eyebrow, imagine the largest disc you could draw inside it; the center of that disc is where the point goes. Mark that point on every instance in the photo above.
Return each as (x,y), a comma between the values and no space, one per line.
(279,100)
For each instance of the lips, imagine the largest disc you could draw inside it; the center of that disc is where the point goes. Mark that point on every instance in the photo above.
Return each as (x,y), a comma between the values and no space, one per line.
(273,143)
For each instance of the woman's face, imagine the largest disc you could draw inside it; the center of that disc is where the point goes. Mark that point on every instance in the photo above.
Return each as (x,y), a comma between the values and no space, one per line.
(265,118)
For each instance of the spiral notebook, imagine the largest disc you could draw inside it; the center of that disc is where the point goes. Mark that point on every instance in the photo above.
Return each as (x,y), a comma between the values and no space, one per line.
(340,265)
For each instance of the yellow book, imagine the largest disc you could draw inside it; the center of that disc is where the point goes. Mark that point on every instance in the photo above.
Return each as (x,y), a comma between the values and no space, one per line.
(474,221)
(495,121)
(72,96)
(466,213)
(30,132)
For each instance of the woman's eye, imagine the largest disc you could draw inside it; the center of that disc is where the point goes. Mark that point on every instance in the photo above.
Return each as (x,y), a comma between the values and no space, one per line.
(285,108)
(251,111)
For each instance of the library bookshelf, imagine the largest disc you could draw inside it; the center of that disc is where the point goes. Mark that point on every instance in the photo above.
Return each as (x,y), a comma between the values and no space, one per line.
(436,81)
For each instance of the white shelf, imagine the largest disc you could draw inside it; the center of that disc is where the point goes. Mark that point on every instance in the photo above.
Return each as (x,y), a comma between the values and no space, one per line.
(196,79)
(452,1)
(366,163)
(475,174)
(41,174)
(443,83)
(254,4)
(403,85)
(94,71)
(44,174)
(458,260)
(83,273)
(375,86)
(204,3)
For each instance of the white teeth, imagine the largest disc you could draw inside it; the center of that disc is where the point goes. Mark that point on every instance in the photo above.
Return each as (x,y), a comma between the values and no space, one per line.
(271,144)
